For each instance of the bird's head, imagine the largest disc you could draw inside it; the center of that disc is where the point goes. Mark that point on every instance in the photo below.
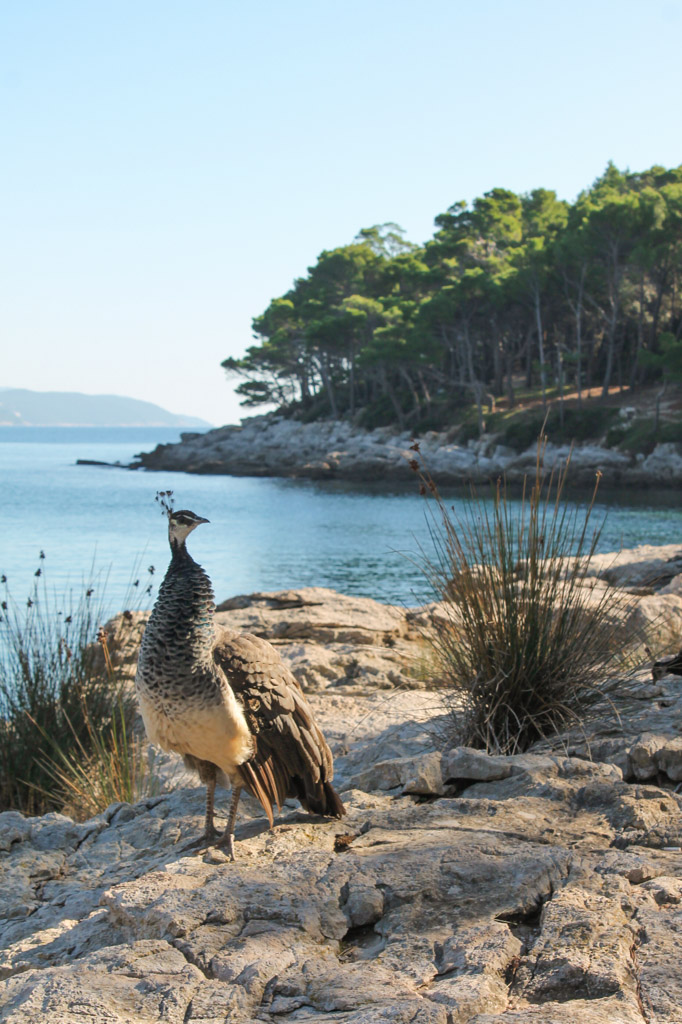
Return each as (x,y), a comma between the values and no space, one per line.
(181,522)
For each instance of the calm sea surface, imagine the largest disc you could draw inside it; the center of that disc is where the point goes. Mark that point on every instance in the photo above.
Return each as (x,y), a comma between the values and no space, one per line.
(102,524)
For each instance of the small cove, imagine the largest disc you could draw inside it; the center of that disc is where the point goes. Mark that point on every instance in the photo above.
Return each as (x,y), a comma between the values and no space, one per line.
(265,533)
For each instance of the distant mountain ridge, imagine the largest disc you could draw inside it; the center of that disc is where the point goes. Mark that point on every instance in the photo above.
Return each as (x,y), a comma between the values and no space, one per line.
(23,408)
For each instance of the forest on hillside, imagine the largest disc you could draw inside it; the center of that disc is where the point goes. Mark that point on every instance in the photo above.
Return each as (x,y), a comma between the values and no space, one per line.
(512,293)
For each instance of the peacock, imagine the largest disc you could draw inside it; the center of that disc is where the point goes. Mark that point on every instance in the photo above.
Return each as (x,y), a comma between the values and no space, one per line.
(226,701)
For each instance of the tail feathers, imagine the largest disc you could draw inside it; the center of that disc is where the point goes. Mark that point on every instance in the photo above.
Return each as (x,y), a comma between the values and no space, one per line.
(322,799)
(258,786)
(264,780)
(335,807)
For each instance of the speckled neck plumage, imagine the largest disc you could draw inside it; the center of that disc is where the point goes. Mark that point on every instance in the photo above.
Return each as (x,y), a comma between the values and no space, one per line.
(180,633)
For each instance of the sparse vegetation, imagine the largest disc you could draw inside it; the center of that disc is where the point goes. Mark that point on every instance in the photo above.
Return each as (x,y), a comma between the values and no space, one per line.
(643,434)
(528,637)
(113,765)
(66,714)
(519,428)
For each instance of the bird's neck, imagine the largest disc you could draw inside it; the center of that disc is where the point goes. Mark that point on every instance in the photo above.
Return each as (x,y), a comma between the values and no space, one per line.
(179,550)
(188,588)
(183,566)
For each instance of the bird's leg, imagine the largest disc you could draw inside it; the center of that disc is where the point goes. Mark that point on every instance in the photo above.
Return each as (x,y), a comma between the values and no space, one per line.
(227,839)
(209,777)
(207,774)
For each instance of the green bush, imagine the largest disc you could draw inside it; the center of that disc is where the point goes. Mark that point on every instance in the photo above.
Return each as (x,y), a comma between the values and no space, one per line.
(527,640)
(379,413)
(615,435)
(520,430)
(586,424)
(641,435)
(638,436)
(670,432)
(63,707)
(468,430)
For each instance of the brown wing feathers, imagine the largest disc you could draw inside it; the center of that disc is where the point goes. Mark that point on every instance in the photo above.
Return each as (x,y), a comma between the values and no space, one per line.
(291,756)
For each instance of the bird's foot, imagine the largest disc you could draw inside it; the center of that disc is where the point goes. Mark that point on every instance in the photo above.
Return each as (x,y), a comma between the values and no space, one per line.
(205,841)
(226,842)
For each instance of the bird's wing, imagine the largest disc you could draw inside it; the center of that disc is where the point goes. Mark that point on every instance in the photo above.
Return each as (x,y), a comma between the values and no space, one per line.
(291,755)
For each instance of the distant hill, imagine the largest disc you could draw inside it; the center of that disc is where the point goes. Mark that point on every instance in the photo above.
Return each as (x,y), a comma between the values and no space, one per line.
(23,408)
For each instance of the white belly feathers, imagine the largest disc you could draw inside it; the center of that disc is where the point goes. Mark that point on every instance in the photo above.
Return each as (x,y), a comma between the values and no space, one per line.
(217,733)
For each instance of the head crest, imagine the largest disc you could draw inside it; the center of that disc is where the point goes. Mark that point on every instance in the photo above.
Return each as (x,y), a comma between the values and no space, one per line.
(165,500)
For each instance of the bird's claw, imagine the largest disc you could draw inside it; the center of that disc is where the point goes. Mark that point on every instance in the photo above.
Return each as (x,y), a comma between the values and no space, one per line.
(226,842)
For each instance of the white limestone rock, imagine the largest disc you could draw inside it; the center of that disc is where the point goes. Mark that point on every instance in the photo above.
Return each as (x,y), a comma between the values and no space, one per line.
(461,887)
(659,614)
(420,775)
(272,445)
(313,613)
(475,765)
(647,565)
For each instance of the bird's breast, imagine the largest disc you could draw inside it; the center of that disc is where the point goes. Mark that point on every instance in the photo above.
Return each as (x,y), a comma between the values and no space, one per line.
(196,714)
(216,734)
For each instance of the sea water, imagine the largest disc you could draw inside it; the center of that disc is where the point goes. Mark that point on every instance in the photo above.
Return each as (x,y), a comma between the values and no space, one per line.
(101,526)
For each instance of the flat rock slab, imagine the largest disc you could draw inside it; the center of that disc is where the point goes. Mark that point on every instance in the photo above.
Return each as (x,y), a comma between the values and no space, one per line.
(328,639)
(549,889)
(641,732)
(315,613)
(644,566)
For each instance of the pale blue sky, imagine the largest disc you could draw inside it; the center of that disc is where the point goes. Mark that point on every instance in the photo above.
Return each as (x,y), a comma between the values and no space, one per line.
(168,168)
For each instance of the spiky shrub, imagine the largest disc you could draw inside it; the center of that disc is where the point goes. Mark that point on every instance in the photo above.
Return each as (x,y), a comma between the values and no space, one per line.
(525,635)
(112,765)
(61,701)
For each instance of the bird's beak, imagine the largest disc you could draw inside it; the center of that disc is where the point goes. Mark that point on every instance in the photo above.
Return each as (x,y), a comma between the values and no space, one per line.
(202,520)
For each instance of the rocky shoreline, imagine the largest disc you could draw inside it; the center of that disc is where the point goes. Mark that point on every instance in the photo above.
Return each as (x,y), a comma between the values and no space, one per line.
(462,888)
(271,445)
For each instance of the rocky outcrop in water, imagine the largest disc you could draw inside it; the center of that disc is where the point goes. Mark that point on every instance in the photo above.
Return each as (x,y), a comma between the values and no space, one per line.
(462,888)
(274,446)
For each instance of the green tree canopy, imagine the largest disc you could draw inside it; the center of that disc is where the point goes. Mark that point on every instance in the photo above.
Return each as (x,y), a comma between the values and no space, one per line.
(511,290)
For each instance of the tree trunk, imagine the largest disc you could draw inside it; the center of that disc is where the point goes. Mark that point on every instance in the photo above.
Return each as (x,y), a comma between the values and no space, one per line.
(474,383)
(614,275)
(329,387)
(578,312)
(589,365)
(509,367)
(541,346)
(659,397)
(661,283)
(640,334)
(610,351)
(529,357)
(425,389)
(389,390)
(497,360)
(413,391)
(560,376)
(304,388)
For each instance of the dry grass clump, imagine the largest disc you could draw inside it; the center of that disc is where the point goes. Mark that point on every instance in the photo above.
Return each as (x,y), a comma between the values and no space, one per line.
(66,714)
(114,766)
(526,639)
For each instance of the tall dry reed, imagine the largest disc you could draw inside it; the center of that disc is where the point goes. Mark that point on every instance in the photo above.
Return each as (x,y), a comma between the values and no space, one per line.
(526,637)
